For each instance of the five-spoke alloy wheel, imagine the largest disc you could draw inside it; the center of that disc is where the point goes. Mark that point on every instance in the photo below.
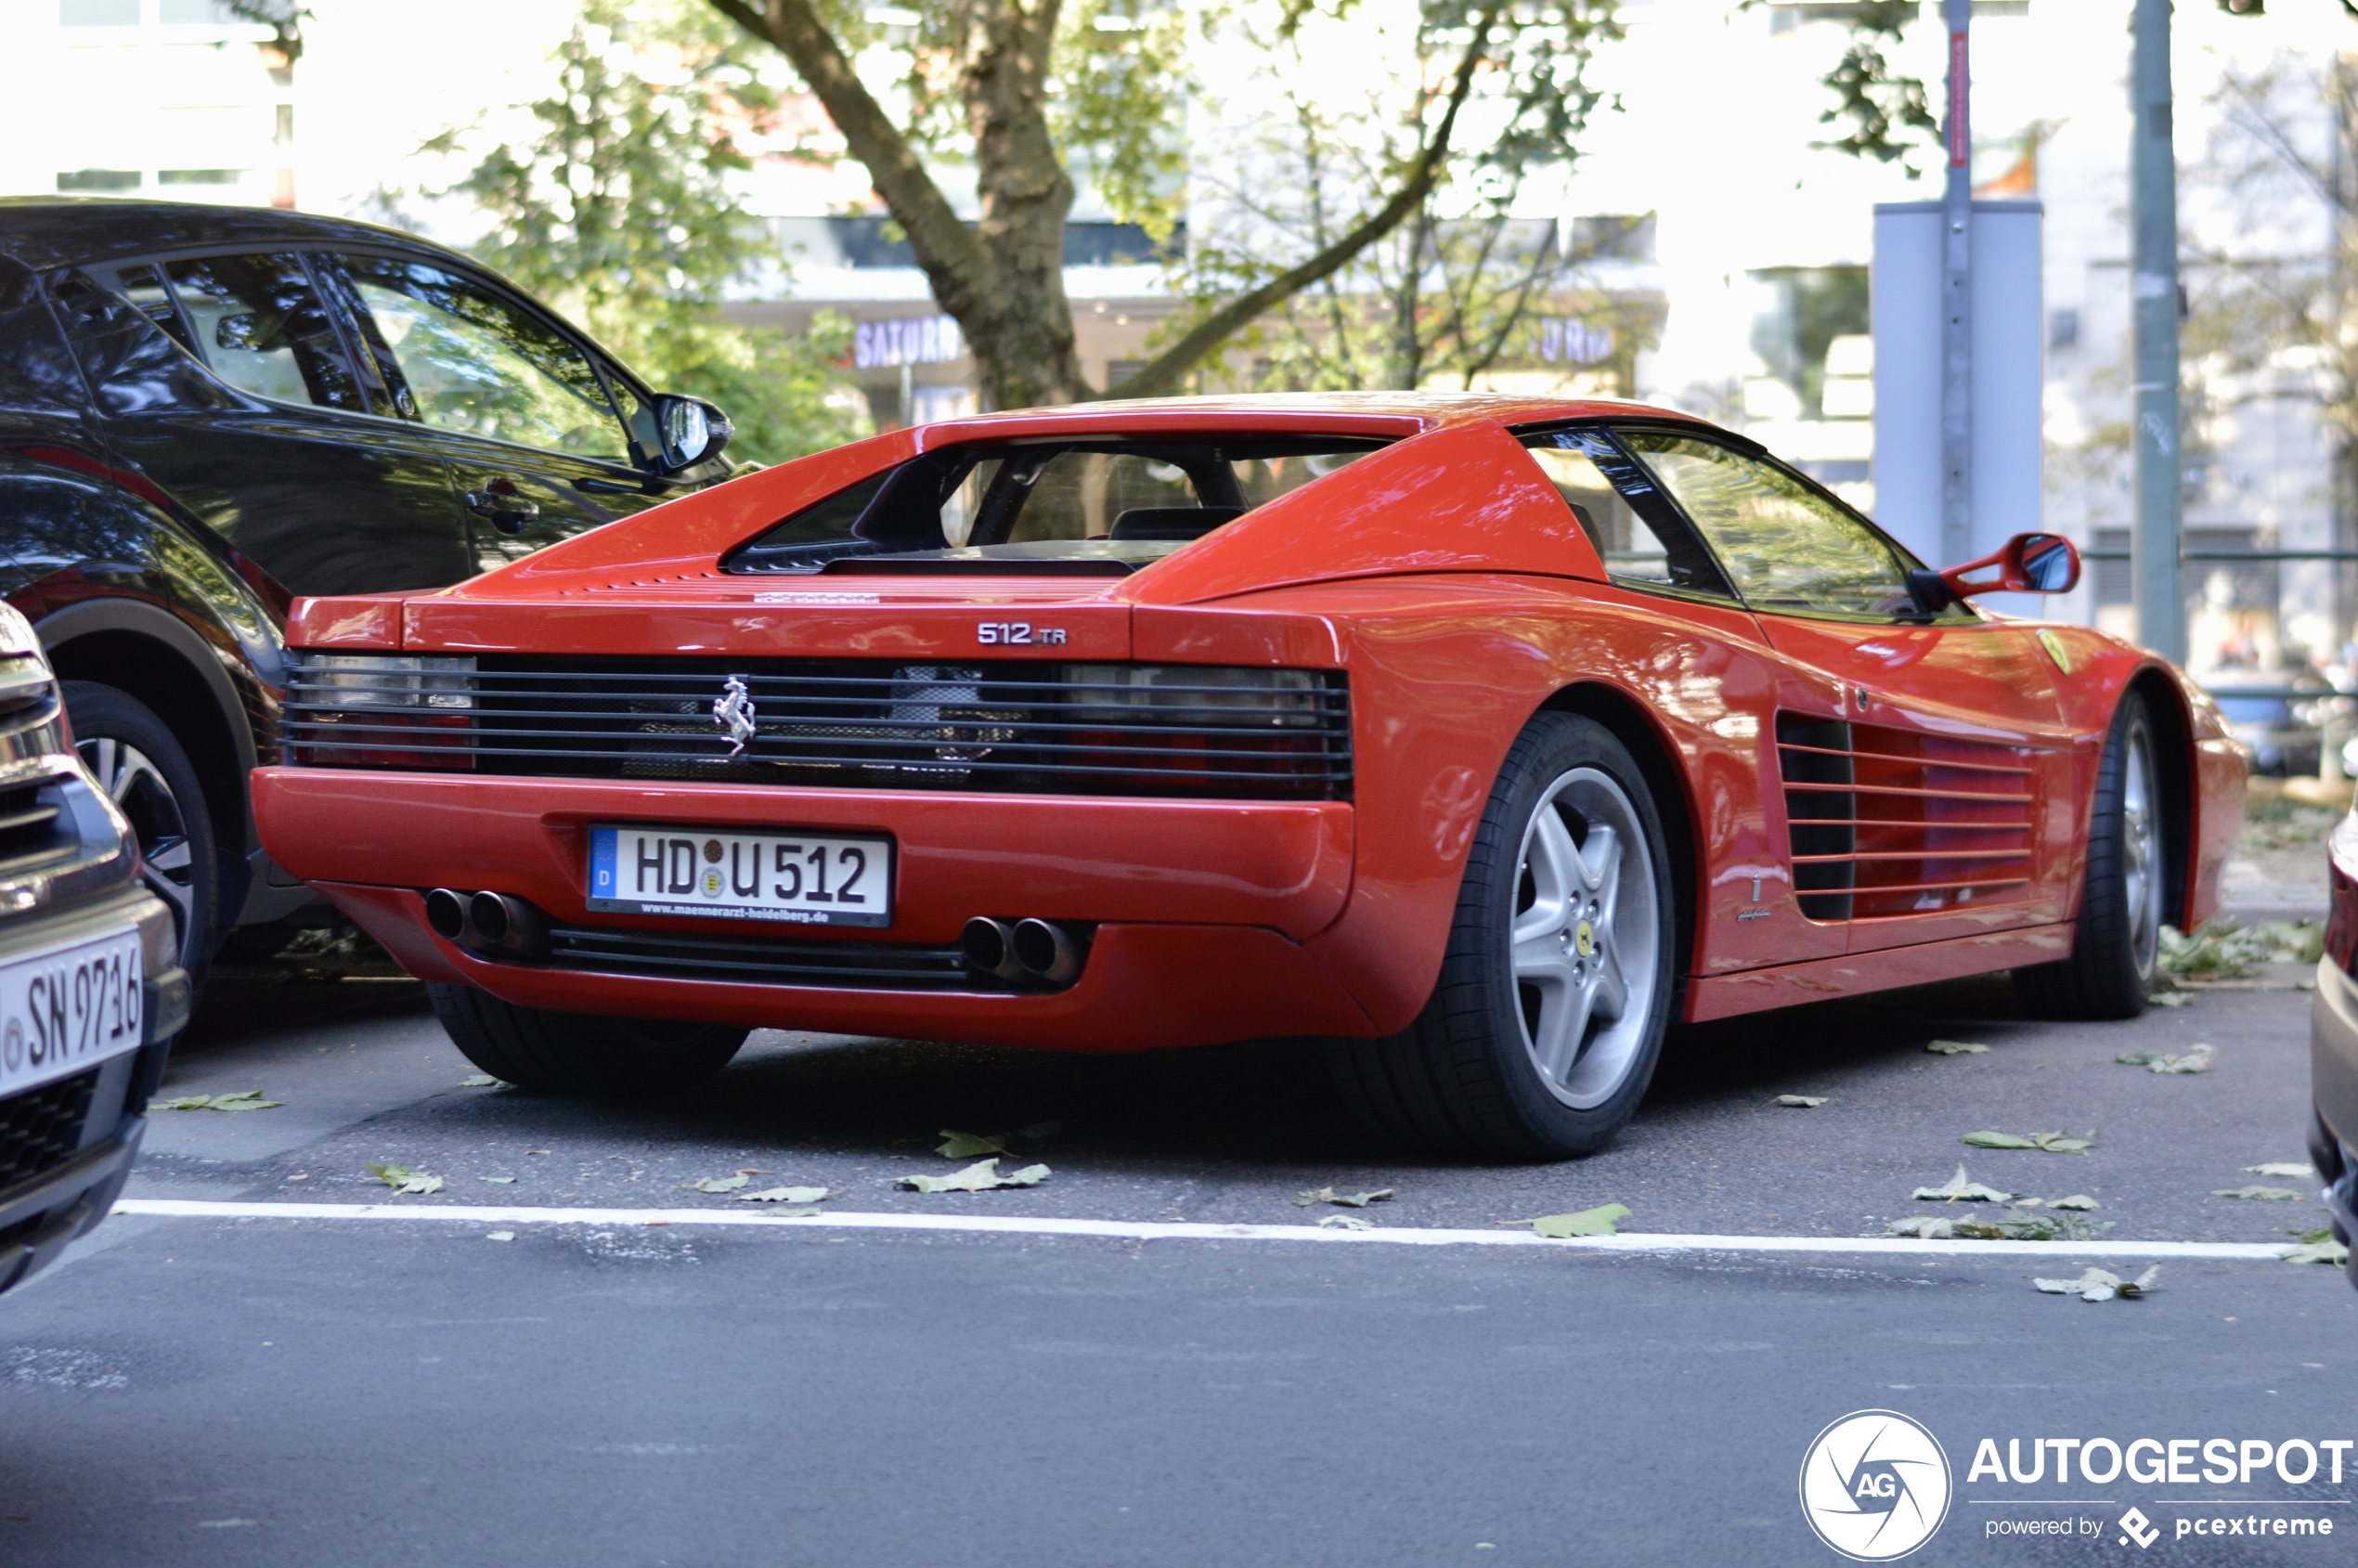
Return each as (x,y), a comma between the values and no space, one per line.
(1556,986)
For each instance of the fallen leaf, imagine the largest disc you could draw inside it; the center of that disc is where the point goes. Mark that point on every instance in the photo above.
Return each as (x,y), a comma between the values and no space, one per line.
(1803,1102)
(1346,1221)
(497,1180)
(2171,998)
(2053,1143)
(1956,1048)
(182,1102)
(247,1099)
(537,1151)
(1962,1188)
(300,1176)
(1928,1228)
(2014,1224)
(2077,1200)
(1039,1129)
(981,1176)
(404,1180)
(2197,1058)
(500,1236)
(1348,1199)
(483,1081)
(2099,1285)
(721,1184)
(787,1194)
(2326,1252)
(1600,1221)
(965,1146)
(2282,1168)
(2257,1194)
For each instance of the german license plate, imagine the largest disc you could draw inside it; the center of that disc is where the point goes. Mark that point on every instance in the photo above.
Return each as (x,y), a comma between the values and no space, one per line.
(68,1009)
(805,878)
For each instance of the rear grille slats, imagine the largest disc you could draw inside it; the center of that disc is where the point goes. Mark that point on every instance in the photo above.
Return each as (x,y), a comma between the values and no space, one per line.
(1002,725)
(1889,821)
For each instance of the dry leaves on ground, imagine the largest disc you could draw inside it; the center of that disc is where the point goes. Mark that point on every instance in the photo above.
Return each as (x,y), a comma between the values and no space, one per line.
(981,1176)
(1962,1188)
(967,1145)
(2100,1285)
(2257,1194)
(1348,1199)
(2197,1059)
(1345,1222)
(244,1099)
(1956,1048)
(722,1184)
(2282,1168)
(1802,1102)
(1603,1219)
(2053,1143)
(403,1180)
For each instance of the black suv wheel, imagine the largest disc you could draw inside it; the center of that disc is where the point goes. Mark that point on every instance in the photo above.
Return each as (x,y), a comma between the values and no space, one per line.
(144,769)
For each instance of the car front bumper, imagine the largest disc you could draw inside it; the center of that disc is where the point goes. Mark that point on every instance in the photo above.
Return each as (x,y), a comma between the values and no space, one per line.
(2333,1077)
(40,1212)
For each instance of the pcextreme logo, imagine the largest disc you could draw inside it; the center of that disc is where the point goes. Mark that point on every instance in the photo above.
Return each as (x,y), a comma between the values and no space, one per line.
(1875,1485)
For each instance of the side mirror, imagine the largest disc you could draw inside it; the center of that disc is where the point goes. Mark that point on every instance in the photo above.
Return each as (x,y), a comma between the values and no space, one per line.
(2026,564)
(692,429)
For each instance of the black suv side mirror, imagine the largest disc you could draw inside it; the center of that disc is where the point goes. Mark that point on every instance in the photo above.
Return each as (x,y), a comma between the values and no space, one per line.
(691,429)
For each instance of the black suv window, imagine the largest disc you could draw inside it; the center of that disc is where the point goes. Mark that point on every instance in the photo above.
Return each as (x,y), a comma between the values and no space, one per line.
(258,323)
(469,360)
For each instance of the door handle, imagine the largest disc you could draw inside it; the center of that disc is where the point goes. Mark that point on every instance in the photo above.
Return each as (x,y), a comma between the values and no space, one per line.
(498,501)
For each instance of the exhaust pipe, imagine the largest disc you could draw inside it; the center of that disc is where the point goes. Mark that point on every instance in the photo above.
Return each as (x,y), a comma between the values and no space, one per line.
(509,924)
(1044,951)
(447,914)
(988,947)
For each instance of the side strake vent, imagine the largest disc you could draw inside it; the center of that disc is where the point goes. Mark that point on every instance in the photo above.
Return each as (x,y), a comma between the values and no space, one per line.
(1890,821)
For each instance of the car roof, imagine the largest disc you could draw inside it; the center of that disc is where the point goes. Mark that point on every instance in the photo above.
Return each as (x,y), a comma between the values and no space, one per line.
(47,231)
(1378,414)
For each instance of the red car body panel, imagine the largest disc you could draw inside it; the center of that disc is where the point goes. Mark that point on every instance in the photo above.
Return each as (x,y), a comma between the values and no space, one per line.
(1450,581)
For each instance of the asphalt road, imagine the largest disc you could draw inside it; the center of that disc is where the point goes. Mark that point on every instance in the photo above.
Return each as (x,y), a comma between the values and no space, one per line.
(218,1388)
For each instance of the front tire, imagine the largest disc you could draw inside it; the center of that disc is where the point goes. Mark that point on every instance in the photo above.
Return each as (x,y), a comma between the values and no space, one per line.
(140,764)
(579,1054)
(2116,944)
(1555,989)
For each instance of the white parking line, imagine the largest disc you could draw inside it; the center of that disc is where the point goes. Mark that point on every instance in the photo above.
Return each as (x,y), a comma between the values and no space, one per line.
(1128,1230)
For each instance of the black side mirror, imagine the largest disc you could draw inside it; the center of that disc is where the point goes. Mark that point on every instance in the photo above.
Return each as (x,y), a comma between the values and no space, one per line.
(691,431)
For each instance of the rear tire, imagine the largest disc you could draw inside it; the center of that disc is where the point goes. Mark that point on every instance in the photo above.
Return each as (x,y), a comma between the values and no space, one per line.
(2116,944)
(140,764)
(577,1054)
(1555,989)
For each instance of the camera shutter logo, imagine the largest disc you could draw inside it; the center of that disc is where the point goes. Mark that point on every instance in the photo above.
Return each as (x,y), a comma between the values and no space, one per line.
(1875,1485)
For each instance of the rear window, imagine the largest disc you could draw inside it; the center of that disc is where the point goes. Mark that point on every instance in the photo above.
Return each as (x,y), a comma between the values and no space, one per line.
(1097,505)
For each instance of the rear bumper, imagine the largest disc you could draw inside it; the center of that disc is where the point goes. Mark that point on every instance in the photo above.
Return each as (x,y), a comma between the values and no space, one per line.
(1145,987)
(1199,909)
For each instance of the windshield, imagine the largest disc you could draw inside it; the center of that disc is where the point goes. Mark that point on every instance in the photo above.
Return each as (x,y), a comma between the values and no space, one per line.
(1097,505)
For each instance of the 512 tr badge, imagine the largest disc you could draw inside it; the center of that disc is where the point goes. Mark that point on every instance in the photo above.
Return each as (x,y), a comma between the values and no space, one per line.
(1017,634)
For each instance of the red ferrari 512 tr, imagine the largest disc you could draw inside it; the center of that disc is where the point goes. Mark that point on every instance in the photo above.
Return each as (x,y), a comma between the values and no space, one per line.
(1481,737)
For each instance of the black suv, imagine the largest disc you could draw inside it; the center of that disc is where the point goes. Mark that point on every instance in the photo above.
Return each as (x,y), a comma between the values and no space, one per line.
(91,988)
(205,411)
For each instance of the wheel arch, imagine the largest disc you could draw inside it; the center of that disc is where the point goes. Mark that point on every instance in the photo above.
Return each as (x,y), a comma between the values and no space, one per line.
(148,653)
(1631,723)
(2172,721)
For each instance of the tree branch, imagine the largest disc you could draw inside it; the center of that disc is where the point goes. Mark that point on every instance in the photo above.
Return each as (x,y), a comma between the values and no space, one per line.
(1166,369)
(955,263)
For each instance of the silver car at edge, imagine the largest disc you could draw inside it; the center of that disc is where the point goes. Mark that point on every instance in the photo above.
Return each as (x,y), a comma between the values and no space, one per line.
(91,990)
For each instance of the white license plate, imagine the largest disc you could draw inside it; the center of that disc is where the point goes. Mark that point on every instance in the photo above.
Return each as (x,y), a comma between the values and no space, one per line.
(807,878)
(69,1009)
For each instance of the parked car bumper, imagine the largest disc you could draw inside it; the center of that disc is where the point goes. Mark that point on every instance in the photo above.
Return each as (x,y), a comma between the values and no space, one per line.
(1198,912)
(66,1147)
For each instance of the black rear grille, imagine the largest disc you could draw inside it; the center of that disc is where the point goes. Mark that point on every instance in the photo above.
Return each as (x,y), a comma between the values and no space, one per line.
(32,824)
(847,965)
(41,1129)
(1002,726)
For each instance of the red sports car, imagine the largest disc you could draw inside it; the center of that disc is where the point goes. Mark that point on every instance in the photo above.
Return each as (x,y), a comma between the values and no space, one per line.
(1481,737)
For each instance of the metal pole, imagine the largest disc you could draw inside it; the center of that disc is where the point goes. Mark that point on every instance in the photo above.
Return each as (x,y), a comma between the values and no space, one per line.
(2153,168)
(1956,299)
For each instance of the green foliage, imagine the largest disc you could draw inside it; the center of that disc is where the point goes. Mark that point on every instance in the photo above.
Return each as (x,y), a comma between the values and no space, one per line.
(1117,106)
(1888,115)
(617,211)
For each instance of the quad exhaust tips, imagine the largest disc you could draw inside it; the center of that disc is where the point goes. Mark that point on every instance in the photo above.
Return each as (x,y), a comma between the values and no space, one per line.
(487,921)
(1030,952)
